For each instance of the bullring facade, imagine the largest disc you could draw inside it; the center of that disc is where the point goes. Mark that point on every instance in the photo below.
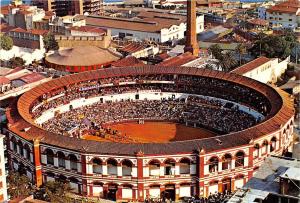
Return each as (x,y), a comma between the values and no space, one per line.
(136,170)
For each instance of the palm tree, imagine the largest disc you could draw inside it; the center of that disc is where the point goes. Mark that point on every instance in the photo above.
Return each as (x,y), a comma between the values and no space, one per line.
(216,51)
(240,50)
(228,62)
(260,39)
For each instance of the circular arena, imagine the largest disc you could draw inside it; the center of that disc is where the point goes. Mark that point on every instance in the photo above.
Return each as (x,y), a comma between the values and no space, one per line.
(148,132)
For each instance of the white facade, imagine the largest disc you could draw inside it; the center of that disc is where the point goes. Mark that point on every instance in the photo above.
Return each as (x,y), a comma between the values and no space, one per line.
(175,32)
(268,72)
(3,186)
(283,20)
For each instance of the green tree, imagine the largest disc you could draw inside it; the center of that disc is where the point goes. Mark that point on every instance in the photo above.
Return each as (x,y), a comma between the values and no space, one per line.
(241,50)
(228,62)
(274,46)
(6,42)
(19,185)
(216,51)
(55,191)
(16,62)
(50,43)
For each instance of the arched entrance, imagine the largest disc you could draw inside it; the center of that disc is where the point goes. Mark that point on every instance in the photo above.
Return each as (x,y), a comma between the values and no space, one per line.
(169,192)
(226,185)
(112,192)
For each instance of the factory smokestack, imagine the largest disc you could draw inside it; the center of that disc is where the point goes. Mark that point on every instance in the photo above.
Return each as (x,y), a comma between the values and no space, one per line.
(191,44)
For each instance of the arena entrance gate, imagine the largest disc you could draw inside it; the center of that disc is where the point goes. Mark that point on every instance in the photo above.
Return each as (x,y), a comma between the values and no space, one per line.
(226,185)
(169,192)
(112,192)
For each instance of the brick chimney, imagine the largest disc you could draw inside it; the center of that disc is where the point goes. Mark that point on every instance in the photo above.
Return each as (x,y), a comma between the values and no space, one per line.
(191,44)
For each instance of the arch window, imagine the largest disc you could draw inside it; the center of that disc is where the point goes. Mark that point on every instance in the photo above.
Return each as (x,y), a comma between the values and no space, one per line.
(61,159)
(256,150)
(21,149)
(239,159)
(97,166)
(184,167)
(273,144)
(265,147)
(126,168)
(27,152)
(50,156)
(226,162)
(112,167)
(213,164)
(73,162)
(154,166)
(170,167)
(15,146)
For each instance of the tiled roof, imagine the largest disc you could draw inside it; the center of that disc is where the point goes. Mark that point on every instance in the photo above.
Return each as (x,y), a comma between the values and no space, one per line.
(4,80)
(32,77)
(19,118)
(88,29)
(251,65)
(133,47)
(128,61)
(257,21)
(291,6)
(33,31)
(147,22)
(178,60)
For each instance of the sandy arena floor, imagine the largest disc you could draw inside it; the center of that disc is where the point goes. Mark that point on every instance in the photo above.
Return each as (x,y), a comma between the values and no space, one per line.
(157,132)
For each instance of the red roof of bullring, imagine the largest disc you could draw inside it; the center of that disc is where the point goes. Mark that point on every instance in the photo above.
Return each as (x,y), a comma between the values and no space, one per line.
(20,118)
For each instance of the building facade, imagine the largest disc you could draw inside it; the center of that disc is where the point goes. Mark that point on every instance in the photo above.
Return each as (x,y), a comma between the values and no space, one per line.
(70,7)
(137,171)
(284,15)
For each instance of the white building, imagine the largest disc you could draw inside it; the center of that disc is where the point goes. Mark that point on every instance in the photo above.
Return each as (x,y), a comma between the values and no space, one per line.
(263,69)
(284,15)
(151,26)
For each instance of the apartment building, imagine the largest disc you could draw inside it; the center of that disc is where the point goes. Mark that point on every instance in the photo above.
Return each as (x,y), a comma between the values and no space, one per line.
(70,7)
(285,15)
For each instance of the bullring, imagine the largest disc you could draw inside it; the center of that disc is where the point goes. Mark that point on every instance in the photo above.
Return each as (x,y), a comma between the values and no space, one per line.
(121,168)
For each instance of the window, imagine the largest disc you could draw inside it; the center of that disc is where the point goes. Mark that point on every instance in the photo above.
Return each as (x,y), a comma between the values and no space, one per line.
(73,162)
(50,156)
(290,19)
(239,159)
(213,164)
(280,18)
(61,159)
(97,166)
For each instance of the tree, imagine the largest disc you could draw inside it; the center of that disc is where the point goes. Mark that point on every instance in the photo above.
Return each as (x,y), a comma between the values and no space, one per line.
(6,42)
(16,62)
(216,51)
(274,46)
(228,62)
(54,191)
(19,185)
(50,43)
(241,50)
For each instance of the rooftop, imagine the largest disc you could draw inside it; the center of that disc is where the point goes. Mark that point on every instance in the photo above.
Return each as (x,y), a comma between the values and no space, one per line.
(266,179)
(291,6)
(251,65)
(82,56)
(145,21)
